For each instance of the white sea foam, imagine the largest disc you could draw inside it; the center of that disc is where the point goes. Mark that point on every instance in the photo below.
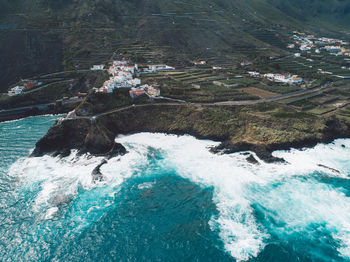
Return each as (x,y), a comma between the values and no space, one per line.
(192,160)
(59,179)
(290,194)
(335,155)
(298,201)
(146,185)
(51,212)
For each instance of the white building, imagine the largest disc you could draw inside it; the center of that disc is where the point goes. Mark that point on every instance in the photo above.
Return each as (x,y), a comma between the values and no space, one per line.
(120,62)
(254,74)
(97,67)
(155,68)
(16,90)
(284,78)
(152,91)
(305,47)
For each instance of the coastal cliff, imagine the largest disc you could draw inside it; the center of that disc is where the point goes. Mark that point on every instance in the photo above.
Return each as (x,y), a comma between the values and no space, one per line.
(261,128)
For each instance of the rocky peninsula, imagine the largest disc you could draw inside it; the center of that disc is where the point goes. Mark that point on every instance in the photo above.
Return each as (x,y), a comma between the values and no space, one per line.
(261,128)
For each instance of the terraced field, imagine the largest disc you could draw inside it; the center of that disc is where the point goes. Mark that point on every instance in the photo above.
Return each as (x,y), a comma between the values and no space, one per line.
(305,67)
(258,92)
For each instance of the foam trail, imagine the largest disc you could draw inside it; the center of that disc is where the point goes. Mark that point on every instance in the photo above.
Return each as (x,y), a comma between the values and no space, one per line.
(335,155)
(58,181)
(192,160)
(291,193)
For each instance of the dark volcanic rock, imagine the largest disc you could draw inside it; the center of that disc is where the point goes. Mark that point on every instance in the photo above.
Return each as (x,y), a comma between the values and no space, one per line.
(98,140)
(81,134)
(97,136)
(117,150)
(261,151)
(330,168)
(62,137)
(251,159)
(96,174)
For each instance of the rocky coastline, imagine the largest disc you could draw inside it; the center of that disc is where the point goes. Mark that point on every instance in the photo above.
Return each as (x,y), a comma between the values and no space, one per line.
(36,110)
(237,128)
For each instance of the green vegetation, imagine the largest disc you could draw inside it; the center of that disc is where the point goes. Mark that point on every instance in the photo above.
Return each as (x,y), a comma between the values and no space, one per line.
(55,87)
(305,103)
(345,111)
(63,34)
(297,115)
(280,89)
(99,102)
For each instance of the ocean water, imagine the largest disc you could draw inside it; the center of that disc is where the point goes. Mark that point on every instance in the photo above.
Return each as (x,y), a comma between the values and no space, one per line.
(170,199)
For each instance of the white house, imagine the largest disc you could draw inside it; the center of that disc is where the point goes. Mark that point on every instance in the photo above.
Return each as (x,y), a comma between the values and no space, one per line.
(254,74)
(16,90)
(97,67)
(156,68)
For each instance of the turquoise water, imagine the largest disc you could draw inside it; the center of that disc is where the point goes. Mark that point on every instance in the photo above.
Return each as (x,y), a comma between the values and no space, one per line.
(169,199)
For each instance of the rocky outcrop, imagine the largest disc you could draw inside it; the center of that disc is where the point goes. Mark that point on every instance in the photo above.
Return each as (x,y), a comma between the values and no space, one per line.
(262,151)
(81,134)
(96,174)
(251,159)
(238,129)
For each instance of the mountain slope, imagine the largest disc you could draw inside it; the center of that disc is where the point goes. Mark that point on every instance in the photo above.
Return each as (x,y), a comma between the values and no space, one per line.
(41,36)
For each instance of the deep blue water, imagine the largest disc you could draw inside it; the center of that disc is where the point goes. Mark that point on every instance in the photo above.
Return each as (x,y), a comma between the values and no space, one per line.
(169,199)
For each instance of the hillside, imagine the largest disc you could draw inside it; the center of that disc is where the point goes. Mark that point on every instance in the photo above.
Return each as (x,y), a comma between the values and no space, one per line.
(50,35)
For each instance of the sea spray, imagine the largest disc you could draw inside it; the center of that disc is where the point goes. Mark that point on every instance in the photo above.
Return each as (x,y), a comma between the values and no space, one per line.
(299,207)
(279,188)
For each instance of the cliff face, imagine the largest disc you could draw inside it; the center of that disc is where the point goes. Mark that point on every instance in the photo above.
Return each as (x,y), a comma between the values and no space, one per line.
(28,53)
(239,129)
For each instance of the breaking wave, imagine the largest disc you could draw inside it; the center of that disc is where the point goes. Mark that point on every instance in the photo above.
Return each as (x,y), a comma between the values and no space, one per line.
(304,204)
(292,197)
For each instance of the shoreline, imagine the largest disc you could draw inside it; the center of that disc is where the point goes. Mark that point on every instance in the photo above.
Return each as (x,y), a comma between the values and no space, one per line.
(36,110)
(236,131)
(14,117)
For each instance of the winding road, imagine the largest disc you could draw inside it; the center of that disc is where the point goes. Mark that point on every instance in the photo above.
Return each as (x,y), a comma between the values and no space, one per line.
(225,103)
(171,102)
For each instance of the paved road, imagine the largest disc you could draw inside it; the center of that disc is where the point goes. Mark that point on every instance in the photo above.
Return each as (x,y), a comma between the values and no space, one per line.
(225,103)
(20,110)
(174,102)
(43,86)
(65,72)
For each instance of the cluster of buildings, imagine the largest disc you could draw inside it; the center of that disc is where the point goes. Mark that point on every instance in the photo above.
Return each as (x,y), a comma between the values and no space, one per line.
(16,90)
(26,85)
(279,78)
(310,42)
(148,90)
(123,75)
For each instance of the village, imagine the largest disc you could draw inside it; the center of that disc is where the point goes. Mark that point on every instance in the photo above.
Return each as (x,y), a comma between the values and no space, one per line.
(308,66)
(311,43)
(28,85)
(278,78)
(123,74)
